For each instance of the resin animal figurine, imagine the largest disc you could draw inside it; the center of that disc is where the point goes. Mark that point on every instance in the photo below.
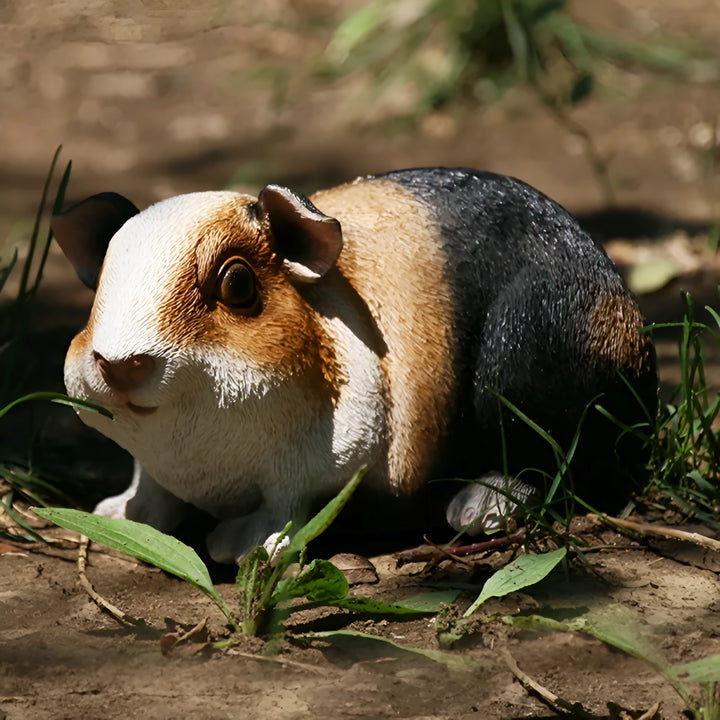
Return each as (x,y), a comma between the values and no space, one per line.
(256,352)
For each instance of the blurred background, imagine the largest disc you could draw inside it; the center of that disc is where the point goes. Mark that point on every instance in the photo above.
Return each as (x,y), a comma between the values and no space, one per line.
(612,108)
(597,104)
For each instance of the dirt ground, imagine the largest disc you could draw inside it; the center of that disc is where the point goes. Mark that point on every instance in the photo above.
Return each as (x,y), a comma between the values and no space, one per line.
(153,99)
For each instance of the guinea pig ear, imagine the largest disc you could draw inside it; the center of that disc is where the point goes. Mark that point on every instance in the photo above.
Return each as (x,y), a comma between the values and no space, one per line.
(84,231)
(308,241)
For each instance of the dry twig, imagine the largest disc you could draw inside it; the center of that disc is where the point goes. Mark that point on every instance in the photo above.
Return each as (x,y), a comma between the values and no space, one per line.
(664,531)
(553,701)
(104,605)
(434,553)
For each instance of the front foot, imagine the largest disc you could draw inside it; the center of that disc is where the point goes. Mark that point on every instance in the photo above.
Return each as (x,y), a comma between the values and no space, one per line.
(144,501)
(233,539)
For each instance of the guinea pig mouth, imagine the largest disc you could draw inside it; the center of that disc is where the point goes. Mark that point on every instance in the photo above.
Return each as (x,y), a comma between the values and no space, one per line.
(139,410)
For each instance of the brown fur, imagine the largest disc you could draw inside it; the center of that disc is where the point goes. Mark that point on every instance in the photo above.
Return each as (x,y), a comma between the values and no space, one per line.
(613,336)
(388,261)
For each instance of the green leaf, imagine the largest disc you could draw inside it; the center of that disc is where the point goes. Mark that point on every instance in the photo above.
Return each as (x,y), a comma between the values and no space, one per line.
(431,601)
(274,588)
(143,542)
(704,670)
(371,606)
(320,582)
(620,629)
(452,661)
(320,522)
(517,38)
(526,570)
(31,533)
(252,575)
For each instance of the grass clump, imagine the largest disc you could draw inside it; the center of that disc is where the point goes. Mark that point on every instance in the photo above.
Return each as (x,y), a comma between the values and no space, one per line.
(18,480)
(455,50)
(686,442)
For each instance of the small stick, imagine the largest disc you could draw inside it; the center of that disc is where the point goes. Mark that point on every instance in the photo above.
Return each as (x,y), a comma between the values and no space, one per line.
(549,698)
(278,660)
(103,604)
(431,552)
(664,531)
(652,713)
(448,552)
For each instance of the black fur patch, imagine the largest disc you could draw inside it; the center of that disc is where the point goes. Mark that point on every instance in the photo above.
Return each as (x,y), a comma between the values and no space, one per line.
(526,278)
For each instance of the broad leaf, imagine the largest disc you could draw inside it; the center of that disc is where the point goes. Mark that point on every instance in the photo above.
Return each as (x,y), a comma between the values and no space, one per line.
(430,602)
(520,573)
(140,541)
(320,582)
(252,575)
(370,606)
(705,670)
(454,662)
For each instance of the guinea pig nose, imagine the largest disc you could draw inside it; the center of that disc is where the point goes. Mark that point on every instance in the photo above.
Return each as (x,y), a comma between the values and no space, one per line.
(126,374)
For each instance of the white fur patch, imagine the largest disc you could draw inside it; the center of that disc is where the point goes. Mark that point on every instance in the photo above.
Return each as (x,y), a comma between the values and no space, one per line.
(229,435)
(137,276)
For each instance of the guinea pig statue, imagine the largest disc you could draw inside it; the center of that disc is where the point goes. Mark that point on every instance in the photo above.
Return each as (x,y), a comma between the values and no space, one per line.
(255,353)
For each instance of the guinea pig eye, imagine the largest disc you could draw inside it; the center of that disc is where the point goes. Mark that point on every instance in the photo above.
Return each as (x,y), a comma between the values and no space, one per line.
(236,285)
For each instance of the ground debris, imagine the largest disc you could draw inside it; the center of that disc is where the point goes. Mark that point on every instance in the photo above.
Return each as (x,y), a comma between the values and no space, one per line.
(187,642)
(433,554)
(358,569)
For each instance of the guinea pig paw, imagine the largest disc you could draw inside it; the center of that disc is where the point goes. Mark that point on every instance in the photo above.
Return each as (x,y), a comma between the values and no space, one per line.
(114,506)
(233,539)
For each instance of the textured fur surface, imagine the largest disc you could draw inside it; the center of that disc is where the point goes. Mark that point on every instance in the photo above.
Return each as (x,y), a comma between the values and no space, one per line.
(382,341)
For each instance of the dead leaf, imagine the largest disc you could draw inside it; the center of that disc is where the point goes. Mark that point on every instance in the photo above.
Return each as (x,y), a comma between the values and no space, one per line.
(187,643)
(358,569)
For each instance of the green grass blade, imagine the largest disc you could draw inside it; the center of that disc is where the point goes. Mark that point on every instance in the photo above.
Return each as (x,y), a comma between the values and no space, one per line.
(530,423)
(5,271)
(143,542)
(57,207)
(354,30)
(624,633)
(522,572)
(619,629)
(30,485)
(57,398)
(36,228)
(714,313)
(322,521)
(34,535)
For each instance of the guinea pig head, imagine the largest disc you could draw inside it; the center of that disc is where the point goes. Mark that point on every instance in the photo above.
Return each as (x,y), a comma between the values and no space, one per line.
(199,340)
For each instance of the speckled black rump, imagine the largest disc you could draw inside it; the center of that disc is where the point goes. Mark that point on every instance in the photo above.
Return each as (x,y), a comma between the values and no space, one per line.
(525,281)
